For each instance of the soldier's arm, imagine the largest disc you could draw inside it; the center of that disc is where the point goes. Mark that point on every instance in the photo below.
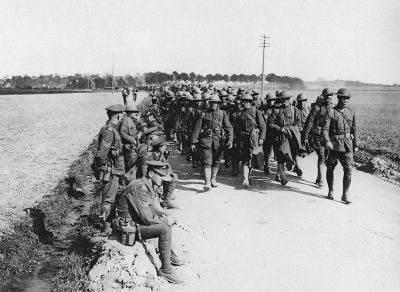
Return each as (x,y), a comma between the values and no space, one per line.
(124,130)
(272,122)
(196,129)
(104,147)
(310,121)
(227,126)
(261,124)
(141,204)
(143,165)
(355,131)
(326,125)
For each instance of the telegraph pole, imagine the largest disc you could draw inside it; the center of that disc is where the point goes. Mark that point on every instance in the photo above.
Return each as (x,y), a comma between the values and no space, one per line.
(264,44)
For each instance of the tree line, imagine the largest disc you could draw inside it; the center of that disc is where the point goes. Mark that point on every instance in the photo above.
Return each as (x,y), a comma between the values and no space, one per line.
(96,81)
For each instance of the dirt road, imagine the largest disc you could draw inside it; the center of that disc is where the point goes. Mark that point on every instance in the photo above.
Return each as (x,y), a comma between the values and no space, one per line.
(287,238)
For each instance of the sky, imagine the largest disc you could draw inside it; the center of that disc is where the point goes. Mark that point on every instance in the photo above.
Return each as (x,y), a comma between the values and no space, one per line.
(310,39)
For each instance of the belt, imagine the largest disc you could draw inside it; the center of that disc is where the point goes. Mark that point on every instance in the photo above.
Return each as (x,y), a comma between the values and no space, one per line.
(342,136)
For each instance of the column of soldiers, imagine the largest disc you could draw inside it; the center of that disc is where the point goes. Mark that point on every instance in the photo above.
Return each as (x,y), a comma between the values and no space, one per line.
(209,125)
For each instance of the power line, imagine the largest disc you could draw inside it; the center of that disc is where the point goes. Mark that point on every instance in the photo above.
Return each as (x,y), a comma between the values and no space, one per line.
(264,44)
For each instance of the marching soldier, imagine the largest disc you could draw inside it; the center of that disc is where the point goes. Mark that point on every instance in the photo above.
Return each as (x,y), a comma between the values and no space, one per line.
(207,134)
(280,121)
(268,109)
(248,121)
(138,206)
(303,110)
(109,159)
(312,134)
(341,137)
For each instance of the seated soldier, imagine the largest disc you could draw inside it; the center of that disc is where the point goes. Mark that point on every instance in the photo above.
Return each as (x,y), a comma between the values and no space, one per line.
(138,204)
(157,153)
(149,135)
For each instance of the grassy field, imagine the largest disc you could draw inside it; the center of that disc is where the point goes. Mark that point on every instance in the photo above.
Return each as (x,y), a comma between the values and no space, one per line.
(379,139)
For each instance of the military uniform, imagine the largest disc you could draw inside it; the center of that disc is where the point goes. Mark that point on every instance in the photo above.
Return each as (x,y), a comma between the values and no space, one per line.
(169,185)
(340,129)
(285,116)
(312,135)
(129,140)
(267,111)
(208,136)
(138,206)
(109,159)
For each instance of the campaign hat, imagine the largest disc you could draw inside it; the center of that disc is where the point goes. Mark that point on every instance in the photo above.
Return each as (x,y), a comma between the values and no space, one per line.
(132,108)
(214,98)
(196,97)
(246,97)
(115,108)
(234,92)
(160,141)
(300,97)
(284,94)
(255,92)
(343,92)
(326,92)
(223,93)
(159,167)
(205,96)
(270,96)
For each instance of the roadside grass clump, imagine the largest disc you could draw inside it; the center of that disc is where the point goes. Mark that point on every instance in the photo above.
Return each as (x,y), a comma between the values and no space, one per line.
(18,246)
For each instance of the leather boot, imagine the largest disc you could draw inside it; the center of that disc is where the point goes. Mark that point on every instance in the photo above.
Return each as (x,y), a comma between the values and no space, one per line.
(281,172)
(175,260)
(346,186)
(214,172)
(329,180)
(207,178)
(171,276)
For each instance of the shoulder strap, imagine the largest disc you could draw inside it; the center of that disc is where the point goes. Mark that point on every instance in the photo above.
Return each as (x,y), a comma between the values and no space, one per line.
(349,123)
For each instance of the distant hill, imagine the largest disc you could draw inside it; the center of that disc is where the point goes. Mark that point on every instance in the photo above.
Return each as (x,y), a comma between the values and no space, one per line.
(320,84)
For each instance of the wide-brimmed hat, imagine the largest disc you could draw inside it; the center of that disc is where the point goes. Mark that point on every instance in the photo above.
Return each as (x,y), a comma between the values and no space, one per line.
(214,98)
(160,141)
(284,94)
(246,97)
(326,92)
(300,97)
(205,96)
(255,92)
(131,109)
(270,96)
(344,92)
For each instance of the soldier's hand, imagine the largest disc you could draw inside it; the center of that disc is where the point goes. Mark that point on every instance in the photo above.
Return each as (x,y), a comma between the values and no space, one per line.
(355,149)
(229,145)
(170,220)
(329,145)
(284,130)
(306,144)
(193,147)
(260,142)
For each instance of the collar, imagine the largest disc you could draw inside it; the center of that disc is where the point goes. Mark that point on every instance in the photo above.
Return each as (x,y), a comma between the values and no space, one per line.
(112,124)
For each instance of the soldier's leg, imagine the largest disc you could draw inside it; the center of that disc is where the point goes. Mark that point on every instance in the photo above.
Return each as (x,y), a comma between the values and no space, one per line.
(169,188)
(217,155)
(267,148)
(206,162)
(108,193)
(164,234)
(235,154)
(346,159)
(281,169)
(331,163)
(298,169)
(320,166)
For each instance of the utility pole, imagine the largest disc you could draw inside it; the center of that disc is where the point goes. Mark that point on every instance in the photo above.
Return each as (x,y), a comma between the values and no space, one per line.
(112,77)
(264,44)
